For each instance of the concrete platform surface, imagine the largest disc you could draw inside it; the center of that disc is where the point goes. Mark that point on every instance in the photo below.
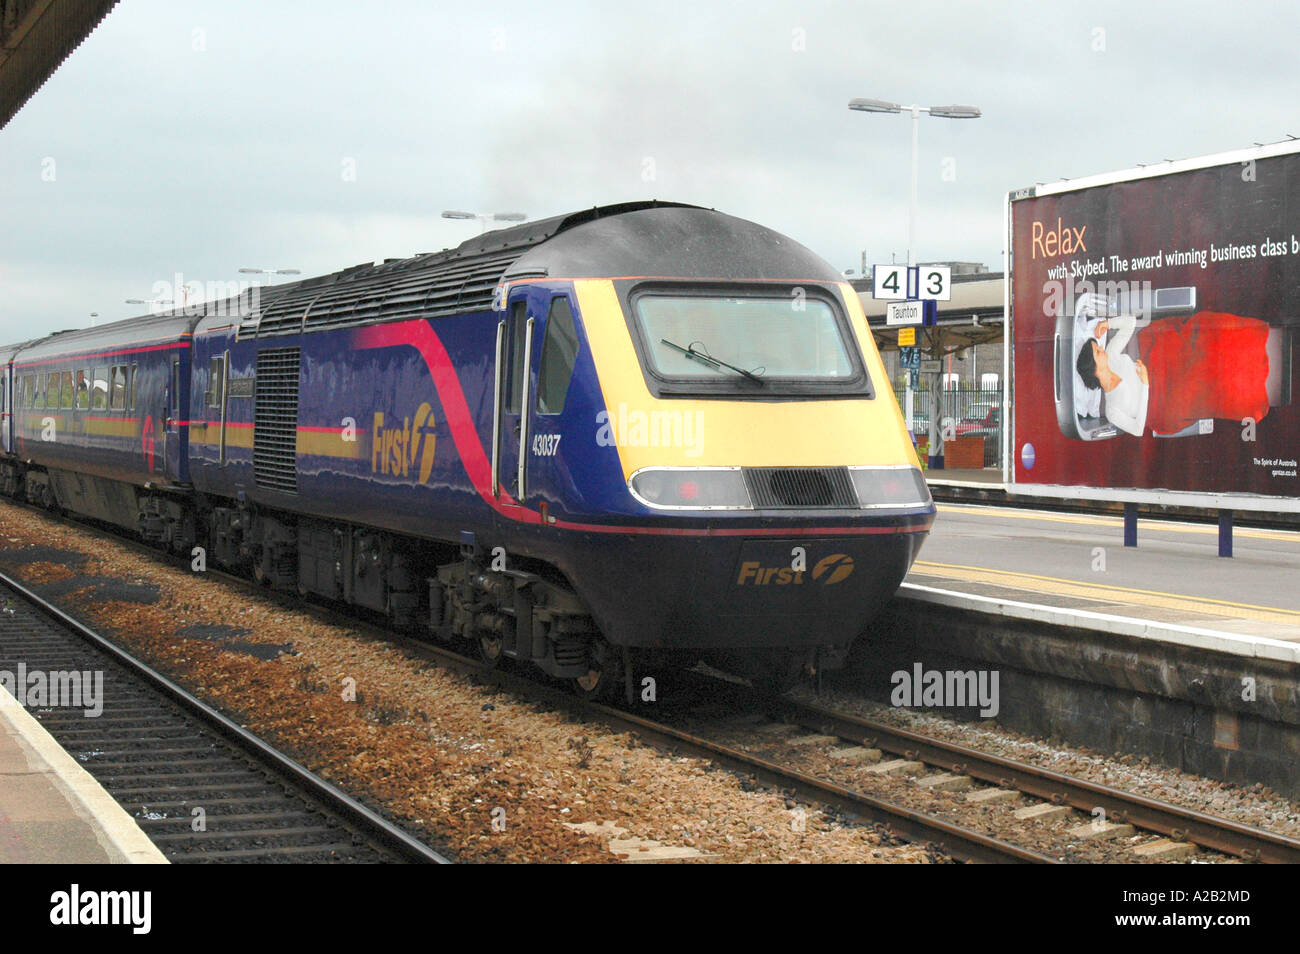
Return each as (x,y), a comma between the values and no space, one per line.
(1077,563)
(51,810)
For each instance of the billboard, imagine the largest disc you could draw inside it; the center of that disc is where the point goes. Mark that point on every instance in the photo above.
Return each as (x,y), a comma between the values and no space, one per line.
(1155,316)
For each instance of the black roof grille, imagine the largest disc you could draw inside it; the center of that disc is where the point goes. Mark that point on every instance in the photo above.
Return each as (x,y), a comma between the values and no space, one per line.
(451,282)
(784,488)
(275,420)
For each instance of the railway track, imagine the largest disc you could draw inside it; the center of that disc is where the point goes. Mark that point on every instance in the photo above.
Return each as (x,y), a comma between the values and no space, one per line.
(1119,806)
(201,787)
(963,843)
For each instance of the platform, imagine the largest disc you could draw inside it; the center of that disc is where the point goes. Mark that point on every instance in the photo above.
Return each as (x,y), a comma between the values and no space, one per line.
(1077,564)
(51,810)
(967,477)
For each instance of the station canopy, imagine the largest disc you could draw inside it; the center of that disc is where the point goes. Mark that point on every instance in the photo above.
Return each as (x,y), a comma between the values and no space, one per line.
(36,36)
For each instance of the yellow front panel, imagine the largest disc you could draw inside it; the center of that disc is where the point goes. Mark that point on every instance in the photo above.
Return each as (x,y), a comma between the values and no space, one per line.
(748,433)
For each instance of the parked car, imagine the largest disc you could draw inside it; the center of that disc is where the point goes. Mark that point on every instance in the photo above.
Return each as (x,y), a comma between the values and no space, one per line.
(982,418)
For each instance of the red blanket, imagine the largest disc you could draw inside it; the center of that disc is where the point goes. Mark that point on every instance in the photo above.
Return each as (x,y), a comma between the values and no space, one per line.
(1210,364)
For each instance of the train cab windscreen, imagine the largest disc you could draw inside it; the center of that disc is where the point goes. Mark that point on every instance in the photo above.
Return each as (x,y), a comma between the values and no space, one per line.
(745,342)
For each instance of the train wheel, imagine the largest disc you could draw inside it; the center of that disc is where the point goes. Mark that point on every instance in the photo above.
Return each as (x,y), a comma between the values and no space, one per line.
(489,650)
(603,680)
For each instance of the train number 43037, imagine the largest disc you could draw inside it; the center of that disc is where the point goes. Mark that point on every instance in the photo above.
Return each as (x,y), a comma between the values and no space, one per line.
(546,445)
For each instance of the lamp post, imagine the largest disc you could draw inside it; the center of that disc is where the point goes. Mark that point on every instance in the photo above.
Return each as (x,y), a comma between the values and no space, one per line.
(485,217)
(155,304)
(269,271)
(943,112)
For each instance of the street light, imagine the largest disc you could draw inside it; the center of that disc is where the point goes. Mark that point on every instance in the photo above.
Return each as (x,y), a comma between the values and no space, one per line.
(269,271)
(485,217)
(943,112)
(155,304)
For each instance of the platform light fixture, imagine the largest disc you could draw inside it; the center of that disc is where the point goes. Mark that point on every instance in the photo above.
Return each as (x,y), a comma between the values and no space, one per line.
(269,272)
(485,217)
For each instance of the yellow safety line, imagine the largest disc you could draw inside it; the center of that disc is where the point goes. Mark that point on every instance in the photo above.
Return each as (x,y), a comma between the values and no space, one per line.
(1148,524)
(1063,587)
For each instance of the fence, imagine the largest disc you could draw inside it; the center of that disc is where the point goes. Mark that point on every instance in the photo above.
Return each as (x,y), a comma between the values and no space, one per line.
(972,413)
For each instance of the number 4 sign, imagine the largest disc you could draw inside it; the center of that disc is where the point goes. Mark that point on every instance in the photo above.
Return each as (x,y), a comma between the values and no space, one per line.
(924,281)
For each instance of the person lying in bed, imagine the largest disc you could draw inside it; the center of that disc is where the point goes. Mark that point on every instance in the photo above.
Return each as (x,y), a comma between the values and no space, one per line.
(1206,365)
(1126,383)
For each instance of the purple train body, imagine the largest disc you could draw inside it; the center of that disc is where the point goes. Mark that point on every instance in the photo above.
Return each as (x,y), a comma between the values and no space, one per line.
(645,428)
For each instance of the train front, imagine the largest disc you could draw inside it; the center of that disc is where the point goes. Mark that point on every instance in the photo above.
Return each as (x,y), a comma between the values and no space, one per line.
(738,480)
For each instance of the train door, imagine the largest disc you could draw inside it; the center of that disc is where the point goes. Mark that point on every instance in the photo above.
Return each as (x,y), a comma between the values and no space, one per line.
(6,409)
(175,419)
(510,420)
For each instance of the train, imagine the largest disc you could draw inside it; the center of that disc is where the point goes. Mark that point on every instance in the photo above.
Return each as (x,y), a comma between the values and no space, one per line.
(636,434)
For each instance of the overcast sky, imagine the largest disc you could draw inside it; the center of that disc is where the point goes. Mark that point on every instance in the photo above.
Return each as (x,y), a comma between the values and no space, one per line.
(198,137)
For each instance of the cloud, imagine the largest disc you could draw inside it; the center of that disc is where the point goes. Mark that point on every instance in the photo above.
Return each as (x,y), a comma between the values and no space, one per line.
(200,138)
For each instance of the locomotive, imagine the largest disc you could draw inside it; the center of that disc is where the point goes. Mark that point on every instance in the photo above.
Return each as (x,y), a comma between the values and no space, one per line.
(638,432)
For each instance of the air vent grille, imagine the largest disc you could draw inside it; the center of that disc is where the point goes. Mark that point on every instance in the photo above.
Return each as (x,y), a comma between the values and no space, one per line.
(275,420)
(785,488)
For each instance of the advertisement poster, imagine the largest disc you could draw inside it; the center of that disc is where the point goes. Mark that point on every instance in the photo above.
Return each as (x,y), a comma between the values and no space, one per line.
(1155,325)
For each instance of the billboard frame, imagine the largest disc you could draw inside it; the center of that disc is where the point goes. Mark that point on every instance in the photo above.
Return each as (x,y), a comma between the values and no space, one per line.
(1154,497)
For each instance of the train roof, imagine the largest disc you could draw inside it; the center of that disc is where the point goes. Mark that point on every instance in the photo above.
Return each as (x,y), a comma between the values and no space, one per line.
(7,352)
(643,239)
(662,239)
(129,331)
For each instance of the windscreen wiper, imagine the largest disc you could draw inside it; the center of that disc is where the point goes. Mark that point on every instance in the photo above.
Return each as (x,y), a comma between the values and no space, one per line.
(710,361)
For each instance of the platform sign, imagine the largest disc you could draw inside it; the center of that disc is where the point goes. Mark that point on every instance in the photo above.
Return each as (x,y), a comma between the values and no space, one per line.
(1155,329)
(926,282)
(910,313)
(934,282)
(931,367)
(909,357)
(906,336)
(904,313)
(889,281)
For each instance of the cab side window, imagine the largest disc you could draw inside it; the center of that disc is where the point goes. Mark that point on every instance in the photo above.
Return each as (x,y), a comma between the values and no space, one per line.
(515,384)
(216,373)
(559,354)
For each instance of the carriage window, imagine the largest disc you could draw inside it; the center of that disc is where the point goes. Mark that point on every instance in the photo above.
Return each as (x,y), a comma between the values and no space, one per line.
(67,392)
(117,392)
(83,389)
(516,381)
(212,396)
(559,353)
(51,390)
(29,388)
(134,369)
(99,390)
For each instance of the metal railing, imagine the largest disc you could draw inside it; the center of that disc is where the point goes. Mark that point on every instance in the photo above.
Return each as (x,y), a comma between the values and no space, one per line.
(973,413)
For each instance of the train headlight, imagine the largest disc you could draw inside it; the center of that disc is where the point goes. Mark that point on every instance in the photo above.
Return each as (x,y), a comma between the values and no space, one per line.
(691,488)
(881,487)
